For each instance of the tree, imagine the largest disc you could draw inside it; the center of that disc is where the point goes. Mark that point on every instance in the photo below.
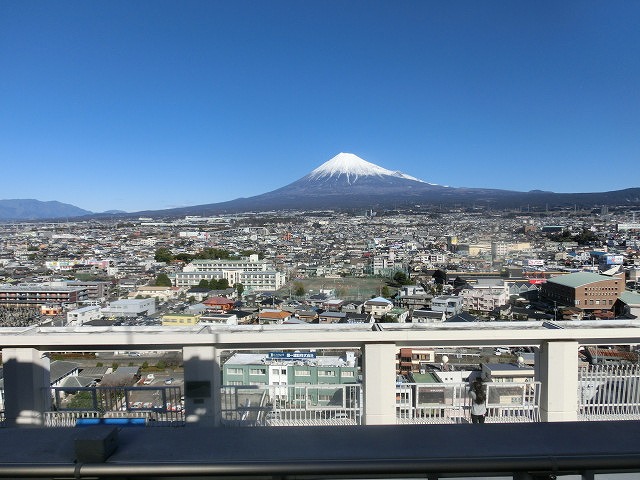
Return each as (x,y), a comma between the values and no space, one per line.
(239,289)
(385,292)
(204,284)
(163,280)
(299,290)
(221,284)
(400,278)
(440,277)
(163,254)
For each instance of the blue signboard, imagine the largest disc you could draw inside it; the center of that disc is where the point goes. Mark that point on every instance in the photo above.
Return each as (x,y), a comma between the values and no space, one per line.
(293,355)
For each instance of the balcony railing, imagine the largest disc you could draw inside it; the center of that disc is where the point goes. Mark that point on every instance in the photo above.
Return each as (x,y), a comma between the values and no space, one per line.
(291,405)
(156,406)
(507,402)
(608,392)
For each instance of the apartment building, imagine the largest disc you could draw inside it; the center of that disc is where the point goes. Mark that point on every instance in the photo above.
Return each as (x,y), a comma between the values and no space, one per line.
(485,295)
(38,294)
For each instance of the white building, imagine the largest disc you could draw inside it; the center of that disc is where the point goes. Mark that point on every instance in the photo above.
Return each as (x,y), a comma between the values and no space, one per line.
(450,305)
(82,315)
(130,308)
(485,295)
(253,274)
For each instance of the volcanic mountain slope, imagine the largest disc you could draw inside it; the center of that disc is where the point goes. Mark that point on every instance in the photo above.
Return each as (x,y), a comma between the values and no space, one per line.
(348,182)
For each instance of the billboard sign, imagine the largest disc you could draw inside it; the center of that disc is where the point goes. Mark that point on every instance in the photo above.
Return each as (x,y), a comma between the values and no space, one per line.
(292,355)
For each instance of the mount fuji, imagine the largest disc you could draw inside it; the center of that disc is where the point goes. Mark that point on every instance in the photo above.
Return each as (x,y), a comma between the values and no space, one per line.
(347,181)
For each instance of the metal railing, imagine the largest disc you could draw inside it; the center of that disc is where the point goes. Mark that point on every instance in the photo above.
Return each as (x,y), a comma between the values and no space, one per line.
(507,402)
(158,406)
(291,405)
(609,392)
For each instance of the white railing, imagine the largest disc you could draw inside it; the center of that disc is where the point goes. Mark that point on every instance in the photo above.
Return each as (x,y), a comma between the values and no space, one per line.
(158,406)
(507,402)
(609,392)
(291,405)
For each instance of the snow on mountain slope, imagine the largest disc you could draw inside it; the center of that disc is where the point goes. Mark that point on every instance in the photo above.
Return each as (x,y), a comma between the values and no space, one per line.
(352,167)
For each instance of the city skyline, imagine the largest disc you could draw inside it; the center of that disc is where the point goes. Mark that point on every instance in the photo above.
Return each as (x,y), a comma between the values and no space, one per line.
(156,105)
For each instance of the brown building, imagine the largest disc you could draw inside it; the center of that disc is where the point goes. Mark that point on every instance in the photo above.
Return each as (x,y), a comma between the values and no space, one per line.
(584,290)
(413,359)
(36,295)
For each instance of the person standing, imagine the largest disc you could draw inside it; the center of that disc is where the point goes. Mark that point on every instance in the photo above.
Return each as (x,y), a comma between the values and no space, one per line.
(478,394)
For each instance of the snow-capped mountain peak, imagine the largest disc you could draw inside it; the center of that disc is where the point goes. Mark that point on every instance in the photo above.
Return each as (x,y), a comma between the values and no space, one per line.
(352,167)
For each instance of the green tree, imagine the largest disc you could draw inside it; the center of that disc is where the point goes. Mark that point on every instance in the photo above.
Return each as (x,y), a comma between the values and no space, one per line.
(299,290)
(221,284)
(204,284)
(385,292)
(163,280)
(82,400)
(401,278)
(163,254)
(240,289)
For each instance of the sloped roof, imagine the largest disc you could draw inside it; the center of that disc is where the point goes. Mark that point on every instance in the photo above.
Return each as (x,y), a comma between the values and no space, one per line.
(630,298)
(377,300)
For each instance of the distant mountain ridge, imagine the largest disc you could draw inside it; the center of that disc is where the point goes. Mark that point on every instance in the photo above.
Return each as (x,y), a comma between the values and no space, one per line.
(30,209)
(346,181)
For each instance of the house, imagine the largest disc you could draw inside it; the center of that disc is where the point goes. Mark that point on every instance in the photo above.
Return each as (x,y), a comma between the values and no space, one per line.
(309,316)
(61,369)
(332,317)
(427,316)
(353,307)
(378,306)
(198,293)
(359,317)
(219,304)
(272,316)
(450,305)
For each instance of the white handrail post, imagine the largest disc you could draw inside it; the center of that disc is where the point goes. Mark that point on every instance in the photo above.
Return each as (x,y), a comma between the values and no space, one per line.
(27,381)
(202,383)
(557,370)
(379,379)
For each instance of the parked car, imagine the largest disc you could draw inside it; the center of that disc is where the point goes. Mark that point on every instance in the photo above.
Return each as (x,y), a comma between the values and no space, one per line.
(149,379)
(168,381)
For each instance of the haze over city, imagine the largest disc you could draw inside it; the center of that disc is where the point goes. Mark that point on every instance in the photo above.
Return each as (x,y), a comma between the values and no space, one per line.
(153,105)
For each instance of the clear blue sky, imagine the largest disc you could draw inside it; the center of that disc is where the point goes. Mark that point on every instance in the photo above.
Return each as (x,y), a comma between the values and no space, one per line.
(138,105)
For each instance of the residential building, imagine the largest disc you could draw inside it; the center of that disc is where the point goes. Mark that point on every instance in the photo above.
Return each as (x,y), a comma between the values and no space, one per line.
(378,306)
(39,294)
(485,295)
(450,305)
(414,360)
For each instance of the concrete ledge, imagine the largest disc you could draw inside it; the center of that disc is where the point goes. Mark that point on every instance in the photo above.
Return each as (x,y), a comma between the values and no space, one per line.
(366,450)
